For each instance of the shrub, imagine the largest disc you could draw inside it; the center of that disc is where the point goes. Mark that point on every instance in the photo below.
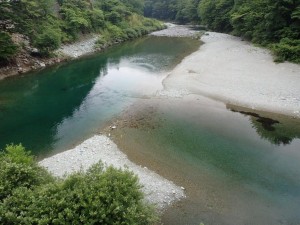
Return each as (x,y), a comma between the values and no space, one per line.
(287,49)
(116,33)
(131,33)
(48,41)
(19,169)
(98,196)
(8,49)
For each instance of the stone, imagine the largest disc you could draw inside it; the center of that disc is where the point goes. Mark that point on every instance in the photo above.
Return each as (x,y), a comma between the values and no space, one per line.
(20,70)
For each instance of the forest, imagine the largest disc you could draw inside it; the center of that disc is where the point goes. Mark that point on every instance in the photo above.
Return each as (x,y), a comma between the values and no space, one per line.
(272,24)
(49,23)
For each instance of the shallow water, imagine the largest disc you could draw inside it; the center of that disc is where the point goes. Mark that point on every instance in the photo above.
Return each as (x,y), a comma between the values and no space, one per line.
(232,173)
(52,110)
(238,166)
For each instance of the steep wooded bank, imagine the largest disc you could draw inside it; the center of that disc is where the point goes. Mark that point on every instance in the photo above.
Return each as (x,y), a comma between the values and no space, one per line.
(41,26)
(273,24)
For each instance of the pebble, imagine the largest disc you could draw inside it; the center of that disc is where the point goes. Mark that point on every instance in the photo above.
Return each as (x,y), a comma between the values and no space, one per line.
(158,190)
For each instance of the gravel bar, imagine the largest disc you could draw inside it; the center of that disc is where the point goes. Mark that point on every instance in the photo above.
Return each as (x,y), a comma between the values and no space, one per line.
(158,190)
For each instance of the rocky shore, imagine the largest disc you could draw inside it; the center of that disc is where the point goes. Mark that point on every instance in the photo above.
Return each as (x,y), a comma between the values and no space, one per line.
(158,190)
(174,30)
(27,60)
(80,48)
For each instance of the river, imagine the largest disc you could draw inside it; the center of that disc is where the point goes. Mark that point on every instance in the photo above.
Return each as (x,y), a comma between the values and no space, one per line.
(59,107)
(238,166)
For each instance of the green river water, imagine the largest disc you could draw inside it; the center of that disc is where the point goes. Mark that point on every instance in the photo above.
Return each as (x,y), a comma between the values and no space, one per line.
(237,167)
(54,109)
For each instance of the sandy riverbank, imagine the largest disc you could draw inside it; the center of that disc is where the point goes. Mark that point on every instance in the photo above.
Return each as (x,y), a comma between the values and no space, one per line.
(238,73)
(159,191)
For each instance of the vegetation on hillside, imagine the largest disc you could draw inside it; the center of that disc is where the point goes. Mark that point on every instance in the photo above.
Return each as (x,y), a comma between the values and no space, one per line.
(48,23)
(182,11)
(30,195)
(273,24)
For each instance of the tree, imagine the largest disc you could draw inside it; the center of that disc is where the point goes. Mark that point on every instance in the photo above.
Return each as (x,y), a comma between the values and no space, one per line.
(216,14)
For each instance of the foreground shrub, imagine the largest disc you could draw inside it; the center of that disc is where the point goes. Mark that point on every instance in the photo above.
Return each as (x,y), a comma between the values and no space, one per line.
(98,196)
(19,169)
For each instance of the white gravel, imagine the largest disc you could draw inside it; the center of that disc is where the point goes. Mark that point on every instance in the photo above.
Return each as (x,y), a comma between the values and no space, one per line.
(175,31)
(237,72)
(79,48)
(157,189)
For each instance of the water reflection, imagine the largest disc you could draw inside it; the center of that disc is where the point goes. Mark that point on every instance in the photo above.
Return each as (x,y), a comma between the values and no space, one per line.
(232,175)
(60,106)
(277,132)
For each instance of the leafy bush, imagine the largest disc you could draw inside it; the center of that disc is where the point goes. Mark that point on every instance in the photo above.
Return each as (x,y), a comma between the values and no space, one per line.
(287,49)
(98,196)
(131,33)
(8,48)
(116,33)
(48,41)
(19,169)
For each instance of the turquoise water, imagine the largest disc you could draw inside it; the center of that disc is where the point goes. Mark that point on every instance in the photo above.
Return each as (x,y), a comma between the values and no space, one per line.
(232,173)
(51,110)
(237,167)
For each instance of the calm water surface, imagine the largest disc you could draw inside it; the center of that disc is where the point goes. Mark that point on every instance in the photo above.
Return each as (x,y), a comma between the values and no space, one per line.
(237,167)
(58,107)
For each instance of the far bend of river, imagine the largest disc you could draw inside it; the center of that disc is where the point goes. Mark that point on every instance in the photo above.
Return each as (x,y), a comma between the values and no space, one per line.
(61,106)
(238,167)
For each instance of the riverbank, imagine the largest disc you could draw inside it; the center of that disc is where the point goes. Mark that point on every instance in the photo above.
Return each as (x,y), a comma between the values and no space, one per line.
(27,60)
(158,191)
(238,73)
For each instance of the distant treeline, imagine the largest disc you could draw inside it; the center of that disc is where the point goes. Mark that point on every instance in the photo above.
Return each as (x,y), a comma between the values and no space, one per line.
(270,23)
(48,23)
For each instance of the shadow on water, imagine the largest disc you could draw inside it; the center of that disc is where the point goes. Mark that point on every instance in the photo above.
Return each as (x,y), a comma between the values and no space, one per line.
(232,174)
(278,131)
(64,104)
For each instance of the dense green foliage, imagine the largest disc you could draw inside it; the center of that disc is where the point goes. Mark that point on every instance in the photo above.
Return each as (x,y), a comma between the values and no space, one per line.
(273,24)
(18,169)
(30,195)
(8,48)
(182,11)
(48,23)
(216,14)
